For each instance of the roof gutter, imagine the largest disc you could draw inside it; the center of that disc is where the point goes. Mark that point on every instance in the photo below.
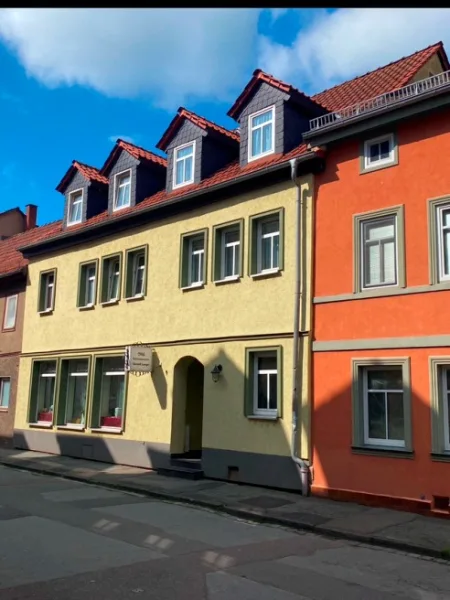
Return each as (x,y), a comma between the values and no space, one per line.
(26,250)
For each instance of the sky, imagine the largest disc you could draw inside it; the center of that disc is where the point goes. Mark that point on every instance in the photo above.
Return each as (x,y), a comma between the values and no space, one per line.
(74,80)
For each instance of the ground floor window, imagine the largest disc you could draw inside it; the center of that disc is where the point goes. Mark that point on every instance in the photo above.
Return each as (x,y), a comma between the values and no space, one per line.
(263,396)
(42,392)
(5,390)
(109,392)
(440,404)
(381,404)
(73,392)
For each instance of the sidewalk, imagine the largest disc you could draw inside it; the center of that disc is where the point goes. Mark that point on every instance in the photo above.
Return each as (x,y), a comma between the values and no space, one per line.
(383,527)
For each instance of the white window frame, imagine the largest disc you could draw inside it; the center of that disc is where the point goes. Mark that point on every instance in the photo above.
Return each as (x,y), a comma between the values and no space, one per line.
(2,388)
(45,276)
(136,268)
(250,156)
(445,391)
(371,221)
(376,441)
(71,389)
(201,254)
(117,186)
(112,262)
(259,243)
(87,279)
(234,245)
(383,161)
(71,203)
(264,412)
(176,185)
(440,241)
(5,316)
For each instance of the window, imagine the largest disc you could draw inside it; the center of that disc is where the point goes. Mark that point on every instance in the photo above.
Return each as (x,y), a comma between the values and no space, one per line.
(440,404)
(122,190)
(87,289)
(439,235)
(379,152)
(5,389)
(42,392)
(379,259)
(111,278)
(261,133)
(263,382)
(73,392)
(47,291)
(109,393)
(266,243)
(75,207)
(136,274)
(183,165)
(193,260)
(9,319)
(227,250)
(382,404)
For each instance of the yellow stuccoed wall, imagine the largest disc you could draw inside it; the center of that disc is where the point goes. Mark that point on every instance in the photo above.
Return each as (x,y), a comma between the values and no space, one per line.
(168,315)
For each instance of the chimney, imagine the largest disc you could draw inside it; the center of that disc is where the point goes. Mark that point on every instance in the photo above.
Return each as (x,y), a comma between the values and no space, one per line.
(30,216)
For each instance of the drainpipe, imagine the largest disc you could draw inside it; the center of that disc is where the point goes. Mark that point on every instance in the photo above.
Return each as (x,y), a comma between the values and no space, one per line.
(303,465)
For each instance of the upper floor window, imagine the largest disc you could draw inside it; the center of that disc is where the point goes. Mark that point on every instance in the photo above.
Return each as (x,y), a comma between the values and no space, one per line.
(75,207)
(379,250)
(111,277)
(193,260)
(136,273)
(87,285)
(261,133)
(122,190)
(266,243)
(9,319)
(183,172)
(379,152)
(443,222)
(47,291)
(227,261)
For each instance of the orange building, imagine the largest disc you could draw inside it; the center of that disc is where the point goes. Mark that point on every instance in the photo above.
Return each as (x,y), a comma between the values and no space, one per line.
(381,350)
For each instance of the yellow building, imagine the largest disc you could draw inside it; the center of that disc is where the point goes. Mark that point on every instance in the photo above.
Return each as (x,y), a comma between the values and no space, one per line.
(205,259)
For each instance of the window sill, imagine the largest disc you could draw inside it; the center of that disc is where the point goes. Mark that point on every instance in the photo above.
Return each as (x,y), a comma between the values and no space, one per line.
(106,429)
(195,286)
(387,451)
(110,302)
(41,425)
(263,417)
(47,311)
(135,298)
(440,457)
(72,427)
(87,307)
(259,156)
(4,409)
(375,167)
(268,273)
(233,279)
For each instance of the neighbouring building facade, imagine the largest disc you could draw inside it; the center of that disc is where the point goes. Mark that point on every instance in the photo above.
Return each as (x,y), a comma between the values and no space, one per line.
(194,255)
(381,350)
(15,228)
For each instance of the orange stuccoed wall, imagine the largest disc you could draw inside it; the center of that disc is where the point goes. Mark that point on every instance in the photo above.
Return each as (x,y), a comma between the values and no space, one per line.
(423,173)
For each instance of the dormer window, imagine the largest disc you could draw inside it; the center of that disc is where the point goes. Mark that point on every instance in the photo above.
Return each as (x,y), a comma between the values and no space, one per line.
(122,190)
(261,133)
(183,172)
(75,207)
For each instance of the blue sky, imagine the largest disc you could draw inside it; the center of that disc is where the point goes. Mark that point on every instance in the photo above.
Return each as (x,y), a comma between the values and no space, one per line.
(66,96)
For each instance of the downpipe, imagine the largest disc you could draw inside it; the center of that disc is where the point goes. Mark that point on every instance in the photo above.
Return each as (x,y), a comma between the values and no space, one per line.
(303,466)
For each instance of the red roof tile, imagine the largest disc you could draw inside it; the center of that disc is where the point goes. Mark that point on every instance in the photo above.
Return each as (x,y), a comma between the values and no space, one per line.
(257,77)
(90,173)
(384,79)
(11,260)
(136,151)
(201,122)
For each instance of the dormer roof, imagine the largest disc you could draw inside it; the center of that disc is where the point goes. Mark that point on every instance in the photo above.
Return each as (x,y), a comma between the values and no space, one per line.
(136,152)
(88,172)
(205,124)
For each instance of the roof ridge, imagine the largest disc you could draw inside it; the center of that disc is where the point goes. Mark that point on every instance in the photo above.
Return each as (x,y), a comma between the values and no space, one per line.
(27,231)
(226,131)
(121,141)
(78,162)
(436,45)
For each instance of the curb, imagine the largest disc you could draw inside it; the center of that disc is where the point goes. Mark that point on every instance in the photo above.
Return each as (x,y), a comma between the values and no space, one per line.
(249,515)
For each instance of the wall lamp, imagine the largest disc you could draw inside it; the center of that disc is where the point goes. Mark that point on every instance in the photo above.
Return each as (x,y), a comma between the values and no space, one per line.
(216,372)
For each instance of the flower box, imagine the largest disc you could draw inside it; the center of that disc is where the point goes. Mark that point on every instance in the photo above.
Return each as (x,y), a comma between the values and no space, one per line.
(111,422)
(45,416)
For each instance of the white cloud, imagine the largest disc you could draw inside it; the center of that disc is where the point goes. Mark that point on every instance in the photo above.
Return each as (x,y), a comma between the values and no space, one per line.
(125,138)
(348,42)
(170,55)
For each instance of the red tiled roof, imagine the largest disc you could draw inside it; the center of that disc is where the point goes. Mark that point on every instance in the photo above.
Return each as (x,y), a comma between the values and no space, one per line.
(201,122)
(257,77)
(90,173)
(136,151)
(11,260)
(384,79)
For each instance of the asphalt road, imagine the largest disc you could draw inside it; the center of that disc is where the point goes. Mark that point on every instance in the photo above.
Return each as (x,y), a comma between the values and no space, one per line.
(65,540)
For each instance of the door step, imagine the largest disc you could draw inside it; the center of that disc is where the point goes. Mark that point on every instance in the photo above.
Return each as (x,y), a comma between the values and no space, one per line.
(183,472)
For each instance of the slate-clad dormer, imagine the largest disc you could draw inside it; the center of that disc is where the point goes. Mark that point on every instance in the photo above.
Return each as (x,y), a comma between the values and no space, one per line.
(133,174)
(272,117)
(196,148)
(86,192)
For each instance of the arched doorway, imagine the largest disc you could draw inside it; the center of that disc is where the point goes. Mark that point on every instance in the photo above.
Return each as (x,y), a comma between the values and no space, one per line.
(187,408)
